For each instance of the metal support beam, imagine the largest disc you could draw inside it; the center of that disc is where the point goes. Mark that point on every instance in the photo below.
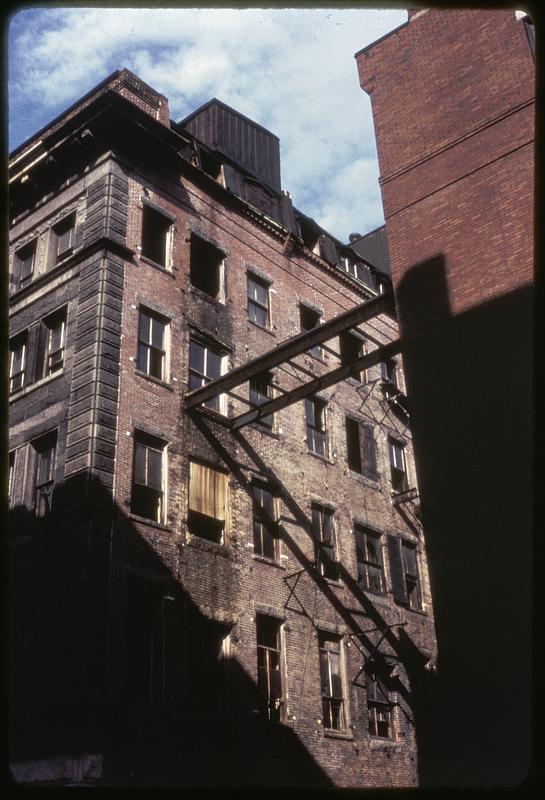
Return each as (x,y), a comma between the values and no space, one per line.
(291,347)
(382,353)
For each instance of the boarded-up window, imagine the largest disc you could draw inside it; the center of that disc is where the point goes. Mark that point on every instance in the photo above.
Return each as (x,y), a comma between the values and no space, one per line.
(332,685)
(208,502)
(360,448)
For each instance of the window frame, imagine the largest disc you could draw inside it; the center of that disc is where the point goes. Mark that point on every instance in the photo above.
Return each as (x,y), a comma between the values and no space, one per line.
(363,458)
(316,437)
(325,549)
(254,304)
(149,348)
(413,588)
(24,279)
(156,445)
(351,336)
(379,701)
(219,526)
(66,225)
(270,692)
(316,351)
(218,253)
(148,250)
(44,483)
(218,403)
(20,339)
(331,645)
(398,467)
(363,565)
(265,531)
(258,398)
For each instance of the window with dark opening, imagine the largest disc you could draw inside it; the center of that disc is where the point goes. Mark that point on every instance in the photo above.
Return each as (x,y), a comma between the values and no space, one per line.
(152,336)
(206,267)
(379,704)
(388,371)
(24,261)
(51,344)
(310,319)
(155,235)
(64,232)
(269,667)
(398,469)
(323,531)
(369,559)
(148,489)
(17,362)
(264,518)
(316,425)
(404,572)
(331,680)
(208,502)
(360,448)
(352,347)
(145,650)
(45,449)
(258,301)
(260,393)
(205,365)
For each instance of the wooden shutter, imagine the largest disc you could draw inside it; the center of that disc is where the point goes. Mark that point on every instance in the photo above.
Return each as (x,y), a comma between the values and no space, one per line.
(396,569)
(207,491)
(368,452)
(328,251)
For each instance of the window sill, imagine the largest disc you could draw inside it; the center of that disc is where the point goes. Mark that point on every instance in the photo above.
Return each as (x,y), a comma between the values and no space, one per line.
(204,544)
(419,611)
(378,743)
(261,328)
(36,385)
(365,479)
(157,266)
(262,429)
(202,295)
(269,561)
(325,459)
(159,525)
(343,735)
(153,379)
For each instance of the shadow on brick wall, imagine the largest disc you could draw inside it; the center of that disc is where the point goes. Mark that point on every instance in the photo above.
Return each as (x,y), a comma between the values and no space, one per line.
(469,380)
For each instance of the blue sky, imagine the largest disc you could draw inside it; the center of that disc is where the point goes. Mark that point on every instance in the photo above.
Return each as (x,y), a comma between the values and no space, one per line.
(291,70)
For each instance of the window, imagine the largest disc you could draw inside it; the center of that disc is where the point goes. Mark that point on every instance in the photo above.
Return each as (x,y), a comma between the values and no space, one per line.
(316,428)
(332,688)
(323,532)
(258,301)
(360,448)
(152,343)
(64,236)
(205,365)
(45,449)
(206,267)
(352,347)
(397,466)
(264,515)
(358,270)
(51,344)
(310,319)
(379,704)
(148,489)
(404,572)
(261,392)
(23,266)
(369,559)
(145,650)
(269,669)
(11,475)
(208,502)
(388,370)
(155,235)
(17,362)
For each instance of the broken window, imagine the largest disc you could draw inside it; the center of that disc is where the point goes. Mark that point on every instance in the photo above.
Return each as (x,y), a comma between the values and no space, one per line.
(144,653)
(23,266)
(205,365)
(331,680)
(208,502)
(323,531)
(152,343)
(310,319)
(64,236)
(404,572)
(369,559)
(379,704)
(352,347)
(148,489)
(51,344)
(398,469)
(45,450)
(261,392)
(360,448)
(316,426)
(17,362)
(206,267)
(265,526)
(269,669)
(258,301)
(155,235)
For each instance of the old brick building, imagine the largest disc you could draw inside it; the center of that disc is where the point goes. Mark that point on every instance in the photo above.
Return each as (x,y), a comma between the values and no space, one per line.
(210,583)
(452,94)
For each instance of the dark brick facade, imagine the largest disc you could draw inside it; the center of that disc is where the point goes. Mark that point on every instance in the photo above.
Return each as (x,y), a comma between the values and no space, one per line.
(452,94)
(117,583)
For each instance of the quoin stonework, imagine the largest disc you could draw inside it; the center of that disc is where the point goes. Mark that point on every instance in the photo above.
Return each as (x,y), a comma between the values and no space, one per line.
(218,570)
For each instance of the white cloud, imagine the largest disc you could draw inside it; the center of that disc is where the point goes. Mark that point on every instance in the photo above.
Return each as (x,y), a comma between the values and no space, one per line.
(292,70)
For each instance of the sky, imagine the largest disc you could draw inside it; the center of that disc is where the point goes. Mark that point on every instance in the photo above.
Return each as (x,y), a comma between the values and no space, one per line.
(292,70)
